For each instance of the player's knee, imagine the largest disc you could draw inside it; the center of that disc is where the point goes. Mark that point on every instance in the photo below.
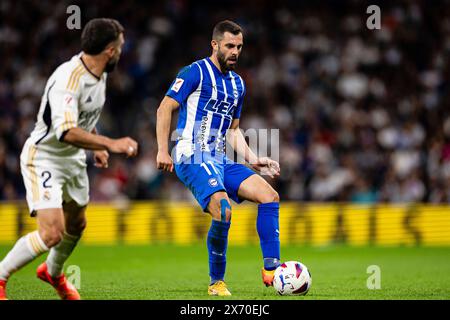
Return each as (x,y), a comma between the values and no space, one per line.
(225,210)
(275,196)
(220,210)
(52,235)
(220,216)
(269,196)
(77,227)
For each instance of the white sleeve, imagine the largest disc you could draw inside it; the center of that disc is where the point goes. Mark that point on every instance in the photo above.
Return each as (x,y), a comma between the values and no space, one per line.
(63,99)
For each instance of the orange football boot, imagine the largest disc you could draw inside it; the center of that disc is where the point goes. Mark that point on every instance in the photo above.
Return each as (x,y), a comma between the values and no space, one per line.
(3,290)
(64,288)
(267,277)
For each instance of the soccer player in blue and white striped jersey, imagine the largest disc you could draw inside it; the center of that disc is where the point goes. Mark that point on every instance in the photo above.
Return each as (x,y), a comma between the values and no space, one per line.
(209,96)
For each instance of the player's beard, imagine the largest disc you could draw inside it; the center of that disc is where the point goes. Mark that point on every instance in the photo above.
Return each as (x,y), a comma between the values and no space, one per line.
(223,62)
(111,65)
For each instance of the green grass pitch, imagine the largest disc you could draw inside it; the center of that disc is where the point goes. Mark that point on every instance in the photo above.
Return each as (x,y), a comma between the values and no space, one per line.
(160,272)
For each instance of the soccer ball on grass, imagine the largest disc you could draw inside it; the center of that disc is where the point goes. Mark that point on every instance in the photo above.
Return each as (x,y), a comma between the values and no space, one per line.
(292,278)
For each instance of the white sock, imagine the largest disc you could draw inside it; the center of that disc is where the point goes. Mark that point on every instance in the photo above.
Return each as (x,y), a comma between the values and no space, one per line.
(59,254)
(24,251)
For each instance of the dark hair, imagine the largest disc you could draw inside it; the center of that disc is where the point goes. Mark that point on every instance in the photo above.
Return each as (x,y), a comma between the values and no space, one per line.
(98,33)
(225,26)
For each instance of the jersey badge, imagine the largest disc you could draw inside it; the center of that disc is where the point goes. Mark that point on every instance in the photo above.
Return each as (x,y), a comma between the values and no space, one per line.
(177,85)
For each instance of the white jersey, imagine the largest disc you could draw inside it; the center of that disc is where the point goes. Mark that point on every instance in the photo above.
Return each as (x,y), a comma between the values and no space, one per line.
(73,97)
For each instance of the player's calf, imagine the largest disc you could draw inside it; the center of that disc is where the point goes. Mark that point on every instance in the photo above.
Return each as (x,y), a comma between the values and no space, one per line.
(267,225)
(32,245)
(75,220)
(25,250)
(217,239)
(258,190)
(51,270)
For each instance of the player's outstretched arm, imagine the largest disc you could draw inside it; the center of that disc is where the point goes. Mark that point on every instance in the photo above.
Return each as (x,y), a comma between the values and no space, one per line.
(163,120)
(83,139)
(237,141)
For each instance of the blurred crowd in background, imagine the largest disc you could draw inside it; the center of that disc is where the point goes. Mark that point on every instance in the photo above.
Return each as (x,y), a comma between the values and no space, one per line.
(364,115)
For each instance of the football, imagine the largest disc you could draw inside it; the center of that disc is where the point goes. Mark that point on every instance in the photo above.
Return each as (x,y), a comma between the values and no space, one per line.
(292,278)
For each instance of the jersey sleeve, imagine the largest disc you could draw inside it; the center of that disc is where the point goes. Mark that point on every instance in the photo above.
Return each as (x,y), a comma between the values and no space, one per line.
(185,83)
(63,97)
(237,111)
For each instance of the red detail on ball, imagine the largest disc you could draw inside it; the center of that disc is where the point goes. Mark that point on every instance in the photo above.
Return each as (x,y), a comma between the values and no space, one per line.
(298,268)
(284,265)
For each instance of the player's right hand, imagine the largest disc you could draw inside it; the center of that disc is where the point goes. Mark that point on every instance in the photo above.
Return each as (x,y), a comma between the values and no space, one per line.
(124,145)
(164,161)
(101,158)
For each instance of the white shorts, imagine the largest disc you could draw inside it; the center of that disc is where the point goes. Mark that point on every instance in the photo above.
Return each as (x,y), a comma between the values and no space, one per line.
(49,182)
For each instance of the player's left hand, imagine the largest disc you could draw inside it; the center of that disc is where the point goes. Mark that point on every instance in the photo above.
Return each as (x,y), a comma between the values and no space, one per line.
(267,166)
(101,158)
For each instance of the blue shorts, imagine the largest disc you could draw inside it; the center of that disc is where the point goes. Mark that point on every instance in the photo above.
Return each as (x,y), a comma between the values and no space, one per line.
(212,176)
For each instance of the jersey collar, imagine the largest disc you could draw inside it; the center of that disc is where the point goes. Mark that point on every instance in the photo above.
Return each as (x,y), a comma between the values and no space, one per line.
(216,70)
(87,69)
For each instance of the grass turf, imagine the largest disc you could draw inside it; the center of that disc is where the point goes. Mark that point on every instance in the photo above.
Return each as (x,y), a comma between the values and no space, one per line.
(174,272)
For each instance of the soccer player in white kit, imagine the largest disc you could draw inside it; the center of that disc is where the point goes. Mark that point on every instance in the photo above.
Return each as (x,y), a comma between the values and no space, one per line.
(53,160)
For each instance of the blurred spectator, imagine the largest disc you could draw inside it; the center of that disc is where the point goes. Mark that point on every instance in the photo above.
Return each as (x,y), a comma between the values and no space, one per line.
(363,193)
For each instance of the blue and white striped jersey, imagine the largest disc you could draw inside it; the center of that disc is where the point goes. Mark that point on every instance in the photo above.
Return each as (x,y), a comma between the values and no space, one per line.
(209,101)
